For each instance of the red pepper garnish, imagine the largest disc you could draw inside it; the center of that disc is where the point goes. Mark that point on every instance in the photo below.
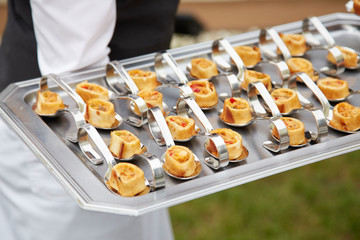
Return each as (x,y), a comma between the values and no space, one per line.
(196,90)
(183,124)
(232,100)
(85,87)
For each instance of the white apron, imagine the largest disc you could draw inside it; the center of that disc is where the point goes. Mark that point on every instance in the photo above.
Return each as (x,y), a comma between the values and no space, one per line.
(33,205)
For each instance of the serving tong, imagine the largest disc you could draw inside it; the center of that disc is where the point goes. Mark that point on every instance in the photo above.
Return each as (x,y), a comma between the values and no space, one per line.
(120,81)
(78,112)
(283,142)
(163,60)
(88,138)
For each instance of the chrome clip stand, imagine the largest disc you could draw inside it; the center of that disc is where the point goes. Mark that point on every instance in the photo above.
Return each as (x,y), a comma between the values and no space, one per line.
(88,131)
(328,44)
(162,136)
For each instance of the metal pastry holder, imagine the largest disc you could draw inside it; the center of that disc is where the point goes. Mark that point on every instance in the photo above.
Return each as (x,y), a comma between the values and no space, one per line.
(281,66)
(327,109)
(327,43)
(162,136)
(275,115)
(43,86)
(119,80)
(266,46)
(163,60)
(160,68)
(187,105)
(253,118)
(216,55)
(88,138)
(135,120)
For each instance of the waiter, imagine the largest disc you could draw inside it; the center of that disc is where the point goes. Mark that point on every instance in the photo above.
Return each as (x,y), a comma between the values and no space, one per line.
(59,36)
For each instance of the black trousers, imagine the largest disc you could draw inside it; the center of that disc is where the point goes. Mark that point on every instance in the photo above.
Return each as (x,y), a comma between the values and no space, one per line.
(142,26)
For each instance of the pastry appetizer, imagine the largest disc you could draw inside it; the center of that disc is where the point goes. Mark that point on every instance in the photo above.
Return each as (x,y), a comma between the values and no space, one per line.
(152,98)
(356,7)
(181,128)
(124,144)
(346,117)
(254,76)
(249,55)
(236,111)
(301,65)
(286,99)
(350,57)
(180,161)
(233,141)
(100,113)
(333,88)
(127,179)
(296,130)
(295,43)
(205,93)
(48,102)
(144,79)
(91,90)
(202,68)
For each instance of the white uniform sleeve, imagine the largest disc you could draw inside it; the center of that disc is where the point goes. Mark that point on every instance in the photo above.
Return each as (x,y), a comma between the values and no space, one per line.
(71,35)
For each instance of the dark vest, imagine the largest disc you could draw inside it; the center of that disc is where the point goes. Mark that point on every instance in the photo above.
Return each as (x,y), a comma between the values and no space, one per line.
(142,26)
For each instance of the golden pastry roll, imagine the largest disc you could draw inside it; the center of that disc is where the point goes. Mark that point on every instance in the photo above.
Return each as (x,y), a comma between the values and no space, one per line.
(181,128)
(254,76)
(233,141)
(297,65)
(203,68)
(350,57)
(249,55)
(48,102)
(124,144)
(236,111)
(180,161)
(356,7)
(91,90)
(100,113)
(346,117)
(152,99)
(333,88)
(205,93)
(296,130)
(286,99)
(127,179)
(144,79)
(295,43)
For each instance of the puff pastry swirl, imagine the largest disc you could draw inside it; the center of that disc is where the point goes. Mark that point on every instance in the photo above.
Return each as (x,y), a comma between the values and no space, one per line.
(236,111)
(296,130)
(249,55)
(181,127)
(91,90)
(205,93)
(333,88)
(124,144)
(180,161)
(48,102)
(346,117)
(144,79)
(100,113)
(286,99)
(233,141)
(127,179)
(202,68)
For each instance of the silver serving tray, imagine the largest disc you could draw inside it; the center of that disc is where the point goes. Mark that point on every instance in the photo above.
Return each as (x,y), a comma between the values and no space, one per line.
(83,180)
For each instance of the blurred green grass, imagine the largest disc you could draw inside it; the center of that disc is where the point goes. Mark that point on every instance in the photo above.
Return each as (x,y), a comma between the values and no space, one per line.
(317,201)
